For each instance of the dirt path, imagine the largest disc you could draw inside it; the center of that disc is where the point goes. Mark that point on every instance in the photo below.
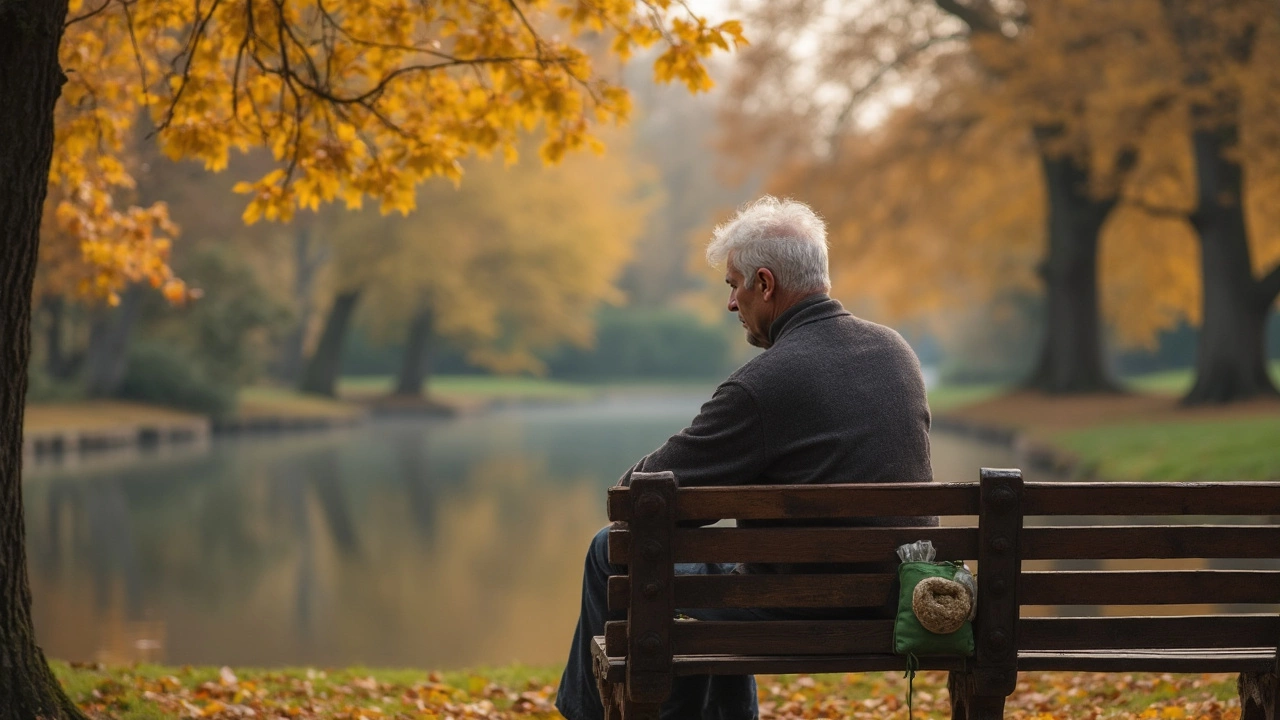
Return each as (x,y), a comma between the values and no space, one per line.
(1041,416)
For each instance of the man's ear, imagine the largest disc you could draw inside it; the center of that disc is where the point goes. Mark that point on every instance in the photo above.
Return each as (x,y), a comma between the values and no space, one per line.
(768,287)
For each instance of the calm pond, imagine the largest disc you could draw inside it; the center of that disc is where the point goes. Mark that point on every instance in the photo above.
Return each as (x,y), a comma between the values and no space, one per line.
(414,542)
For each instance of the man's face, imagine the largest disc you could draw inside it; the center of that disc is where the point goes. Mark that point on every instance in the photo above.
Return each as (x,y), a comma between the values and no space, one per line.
(751,306)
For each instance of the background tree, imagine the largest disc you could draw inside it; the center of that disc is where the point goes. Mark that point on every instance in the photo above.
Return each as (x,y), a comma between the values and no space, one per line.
(362,99)
(1228,66)
(979,64)
(514,262)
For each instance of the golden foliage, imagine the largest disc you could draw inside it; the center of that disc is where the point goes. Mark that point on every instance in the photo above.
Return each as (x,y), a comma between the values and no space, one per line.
(515,260)
(355,100)
(941,203)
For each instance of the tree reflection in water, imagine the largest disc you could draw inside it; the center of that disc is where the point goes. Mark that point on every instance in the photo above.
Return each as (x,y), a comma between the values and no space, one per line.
(404,543)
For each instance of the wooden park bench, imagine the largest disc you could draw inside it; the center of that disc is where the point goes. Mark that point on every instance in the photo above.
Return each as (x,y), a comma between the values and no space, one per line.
(636,659)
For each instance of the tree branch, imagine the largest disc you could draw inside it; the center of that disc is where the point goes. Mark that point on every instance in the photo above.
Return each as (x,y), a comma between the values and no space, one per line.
(902,58)
(85,16)
(977,21)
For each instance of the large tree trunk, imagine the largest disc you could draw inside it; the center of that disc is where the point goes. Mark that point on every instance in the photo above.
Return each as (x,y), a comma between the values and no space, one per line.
(1071,351)
(321,376)
(107,357)
(30,80)
(417,355)
(1231,361)
(307,262)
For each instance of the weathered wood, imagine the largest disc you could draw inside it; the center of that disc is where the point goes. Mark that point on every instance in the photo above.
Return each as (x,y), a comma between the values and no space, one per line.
(1258,695)
(771,591)
(615,638)
(618,504)
(783,637)
(768,502)
(967,703)
(609,684)
(1150,541)
(615,667)
(1230,498)
(1257,660)
(1175,631)
(995,667)
(649,615)
(810,664)
(1169,660)
(1005,643)
(1260,690)
(619,544)
(803,545)
(1170,587)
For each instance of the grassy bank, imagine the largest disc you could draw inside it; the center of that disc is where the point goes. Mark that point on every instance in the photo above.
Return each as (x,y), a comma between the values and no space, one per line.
(1218,450)
(257,402)
(149,692)
(1144,435)
(1176,382)
(471,389)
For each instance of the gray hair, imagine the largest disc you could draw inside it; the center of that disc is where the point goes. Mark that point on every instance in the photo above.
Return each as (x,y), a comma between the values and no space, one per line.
(785,236)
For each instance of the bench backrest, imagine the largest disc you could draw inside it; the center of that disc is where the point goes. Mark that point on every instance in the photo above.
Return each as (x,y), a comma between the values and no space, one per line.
(983,522)
(1225,524)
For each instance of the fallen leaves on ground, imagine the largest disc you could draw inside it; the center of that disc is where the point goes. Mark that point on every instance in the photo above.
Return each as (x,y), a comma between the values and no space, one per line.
(226,694)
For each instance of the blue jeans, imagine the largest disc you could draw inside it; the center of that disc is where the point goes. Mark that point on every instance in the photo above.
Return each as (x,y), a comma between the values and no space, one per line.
(709,697)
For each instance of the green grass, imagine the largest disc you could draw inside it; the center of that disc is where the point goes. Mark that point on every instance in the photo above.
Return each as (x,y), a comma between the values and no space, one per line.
(496,387)
(946,397)
(474,387)
(1219,450)
(1176,382)
(282,402)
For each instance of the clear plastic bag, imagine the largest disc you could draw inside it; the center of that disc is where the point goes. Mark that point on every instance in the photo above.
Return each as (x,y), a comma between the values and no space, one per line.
(918,551)
(923,551)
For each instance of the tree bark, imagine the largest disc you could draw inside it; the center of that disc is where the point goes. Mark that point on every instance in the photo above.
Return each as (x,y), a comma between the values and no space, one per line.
(1231,360)
(107,358)
(307,262)
(1071,351)
(415,365)
(321,376)
(30,81)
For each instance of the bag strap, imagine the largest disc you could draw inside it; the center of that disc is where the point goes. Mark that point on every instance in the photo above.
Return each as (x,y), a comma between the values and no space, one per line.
(913,664)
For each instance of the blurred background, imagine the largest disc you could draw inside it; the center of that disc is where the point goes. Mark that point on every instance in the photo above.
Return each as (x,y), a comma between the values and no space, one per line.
(384,439)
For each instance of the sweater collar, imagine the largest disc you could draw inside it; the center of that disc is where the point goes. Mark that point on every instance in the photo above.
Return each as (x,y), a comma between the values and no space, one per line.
(818,306)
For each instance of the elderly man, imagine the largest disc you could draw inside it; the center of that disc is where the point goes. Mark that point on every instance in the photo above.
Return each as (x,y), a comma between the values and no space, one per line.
(833,399)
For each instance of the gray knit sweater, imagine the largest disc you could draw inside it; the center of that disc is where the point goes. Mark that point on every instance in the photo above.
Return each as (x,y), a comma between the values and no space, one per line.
(836,399)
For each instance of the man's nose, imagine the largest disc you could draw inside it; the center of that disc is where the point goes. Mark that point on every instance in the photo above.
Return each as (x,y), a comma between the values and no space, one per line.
(733,304)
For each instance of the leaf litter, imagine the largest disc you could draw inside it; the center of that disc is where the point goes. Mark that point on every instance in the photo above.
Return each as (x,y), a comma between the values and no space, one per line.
(311,694)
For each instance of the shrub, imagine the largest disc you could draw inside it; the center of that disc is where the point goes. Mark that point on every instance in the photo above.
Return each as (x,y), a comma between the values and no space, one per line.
(161,374)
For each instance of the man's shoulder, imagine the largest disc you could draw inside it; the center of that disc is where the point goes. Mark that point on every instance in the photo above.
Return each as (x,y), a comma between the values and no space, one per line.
(840,350)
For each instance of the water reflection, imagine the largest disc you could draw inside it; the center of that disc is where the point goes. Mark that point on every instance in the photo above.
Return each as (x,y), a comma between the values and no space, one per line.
(402,543)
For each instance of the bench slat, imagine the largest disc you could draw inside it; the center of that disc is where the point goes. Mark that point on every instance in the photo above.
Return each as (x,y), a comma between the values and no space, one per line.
(770,591)
(1198,661)
(828,501)
(803,545)
(783,637)
(818,545)
(1118,633)
(1235,498)
(1096,661)
(1173,587)
(1150,541)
